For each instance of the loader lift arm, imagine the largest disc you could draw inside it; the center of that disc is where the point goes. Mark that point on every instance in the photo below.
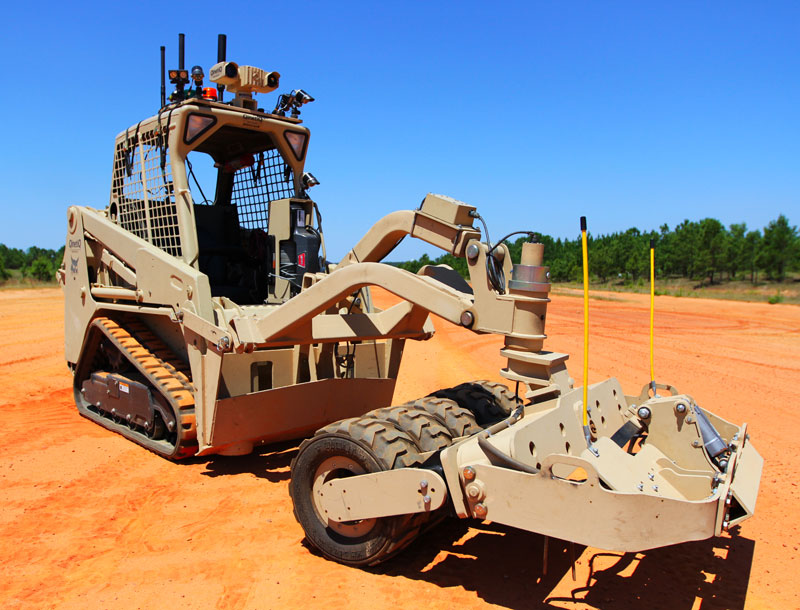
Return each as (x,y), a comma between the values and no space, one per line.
(441,221)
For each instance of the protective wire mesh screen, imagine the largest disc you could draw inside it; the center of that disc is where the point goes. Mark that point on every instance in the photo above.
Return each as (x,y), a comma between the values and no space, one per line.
(268,179)
(145,193)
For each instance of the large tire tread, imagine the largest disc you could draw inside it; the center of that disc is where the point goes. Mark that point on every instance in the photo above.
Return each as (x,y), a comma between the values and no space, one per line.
(458,420)
(428,433)
(488,401)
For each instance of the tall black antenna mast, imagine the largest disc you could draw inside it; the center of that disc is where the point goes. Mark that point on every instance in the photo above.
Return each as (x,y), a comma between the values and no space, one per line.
(222,41)
(163,76)
(181,38)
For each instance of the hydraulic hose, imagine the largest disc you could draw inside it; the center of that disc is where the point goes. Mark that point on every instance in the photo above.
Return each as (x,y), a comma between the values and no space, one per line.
(321,238)
(494,452)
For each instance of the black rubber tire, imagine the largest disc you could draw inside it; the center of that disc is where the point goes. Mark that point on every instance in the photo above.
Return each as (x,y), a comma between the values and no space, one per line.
(428,433)
(373,445)
(458,420)
(490,402)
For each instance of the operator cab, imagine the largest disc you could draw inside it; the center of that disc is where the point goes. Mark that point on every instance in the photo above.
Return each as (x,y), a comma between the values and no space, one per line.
(255,238)
(250,228)
(239,179)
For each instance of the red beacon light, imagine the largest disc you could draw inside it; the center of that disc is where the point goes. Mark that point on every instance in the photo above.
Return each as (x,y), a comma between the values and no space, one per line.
(210,93)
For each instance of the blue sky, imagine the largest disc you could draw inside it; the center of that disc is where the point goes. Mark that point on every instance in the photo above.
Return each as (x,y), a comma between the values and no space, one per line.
(631,113)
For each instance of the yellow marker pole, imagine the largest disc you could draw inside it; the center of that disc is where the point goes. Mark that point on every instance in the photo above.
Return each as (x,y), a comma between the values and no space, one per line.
(652,309)
(586,430)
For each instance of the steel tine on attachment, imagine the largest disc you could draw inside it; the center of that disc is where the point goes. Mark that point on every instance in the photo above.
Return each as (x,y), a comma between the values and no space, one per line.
(544,555)
(572,559)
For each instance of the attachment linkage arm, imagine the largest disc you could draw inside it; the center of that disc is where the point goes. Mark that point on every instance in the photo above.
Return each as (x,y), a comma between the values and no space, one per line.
(441,221)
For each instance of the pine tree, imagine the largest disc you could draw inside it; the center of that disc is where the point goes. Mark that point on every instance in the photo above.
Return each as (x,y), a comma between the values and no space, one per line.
(736,247)
(780,248)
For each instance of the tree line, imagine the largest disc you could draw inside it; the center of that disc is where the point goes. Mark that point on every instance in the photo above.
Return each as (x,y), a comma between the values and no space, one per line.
(703,250)
(698,250)
(35,262)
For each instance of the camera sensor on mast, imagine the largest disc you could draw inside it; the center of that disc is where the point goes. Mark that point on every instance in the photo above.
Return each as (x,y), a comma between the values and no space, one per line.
(243,79)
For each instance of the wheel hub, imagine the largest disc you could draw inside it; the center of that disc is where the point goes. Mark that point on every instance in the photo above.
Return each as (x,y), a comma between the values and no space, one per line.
(336,468)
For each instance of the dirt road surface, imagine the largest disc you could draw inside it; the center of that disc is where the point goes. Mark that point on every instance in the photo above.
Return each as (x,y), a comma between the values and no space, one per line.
(90,520)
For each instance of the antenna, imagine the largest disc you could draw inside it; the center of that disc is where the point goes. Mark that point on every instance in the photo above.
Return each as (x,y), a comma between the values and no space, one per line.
(181,38)
(652,309)
(163,76)
(222,41)
(586,430)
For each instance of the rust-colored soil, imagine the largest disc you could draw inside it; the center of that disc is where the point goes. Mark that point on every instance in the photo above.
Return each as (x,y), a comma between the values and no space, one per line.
(89,520)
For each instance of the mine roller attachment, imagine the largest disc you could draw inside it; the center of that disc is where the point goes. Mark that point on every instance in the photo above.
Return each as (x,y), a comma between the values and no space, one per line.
(364,488)
(129,381)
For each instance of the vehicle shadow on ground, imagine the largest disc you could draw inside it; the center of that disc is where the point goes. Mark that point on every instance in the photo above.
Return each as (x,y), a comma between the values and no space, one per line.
(504,567)
(269,462)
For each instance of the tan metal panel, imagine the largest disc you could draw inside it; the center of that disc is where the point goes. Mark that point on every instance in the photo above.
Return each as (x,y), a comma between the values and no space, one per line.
(298,410)
(383,494)
(747,479)
(588,514)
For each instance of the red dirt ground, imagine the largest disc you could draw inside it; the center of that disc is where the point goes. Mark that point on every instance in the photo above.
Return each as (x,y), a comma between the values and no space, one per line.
(90,520)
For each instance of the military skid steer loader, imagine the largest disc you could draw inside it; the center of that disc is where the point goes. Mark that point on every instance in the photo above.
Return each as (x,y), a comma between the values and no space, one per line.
(199,325)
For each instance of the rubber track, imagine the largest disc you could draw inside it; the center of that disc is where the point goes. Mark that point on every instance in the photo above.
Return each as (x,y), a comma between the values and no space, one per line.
(164,371)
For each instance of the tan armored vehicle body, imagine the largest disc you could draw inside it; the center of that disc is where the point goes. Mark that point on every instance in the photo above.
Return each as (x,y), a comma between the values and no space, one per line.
(198,326)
